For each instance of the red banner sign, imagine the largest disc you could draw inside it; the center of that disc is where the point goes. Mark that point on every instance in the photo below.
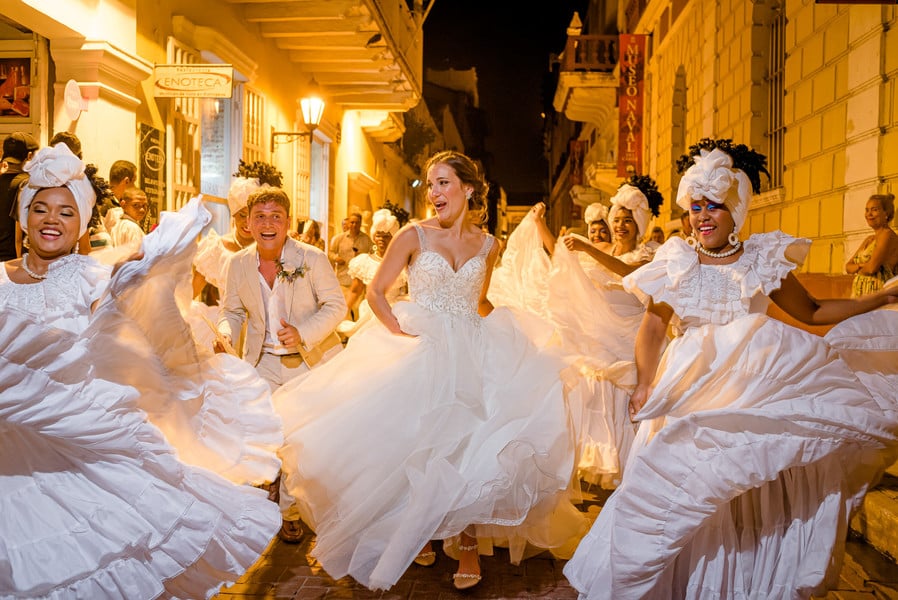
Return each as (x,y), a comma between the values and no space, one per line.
(630,104)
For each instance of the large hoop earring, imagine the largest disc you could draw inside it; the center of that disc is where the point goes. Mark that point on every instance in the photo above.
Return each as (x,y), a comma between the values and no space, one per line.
(733,238)
(691,241)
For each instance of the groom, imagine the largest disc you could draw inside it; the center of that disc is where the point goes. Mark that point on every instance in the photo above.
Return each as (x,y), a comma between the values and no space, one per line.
(289,297)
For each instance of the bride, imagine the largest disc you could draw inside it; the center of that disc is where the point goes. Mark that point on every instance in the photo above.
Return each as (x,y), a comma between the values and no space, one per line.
(444,421)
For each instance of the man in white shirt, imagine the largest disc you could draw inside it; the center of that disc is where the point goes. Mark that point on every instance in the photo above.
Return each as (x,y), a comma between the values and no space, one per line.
(288,295)
(344,247)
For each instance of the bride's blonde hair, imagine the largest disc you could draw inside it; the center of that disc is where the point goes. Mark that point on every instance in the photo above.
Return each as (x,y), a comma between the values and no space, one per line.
(470,174)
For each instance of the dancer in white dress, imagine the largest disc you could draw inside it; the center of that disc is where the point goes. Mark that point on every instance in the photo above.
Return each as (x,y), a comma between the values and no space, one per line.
(442,418)
(362,268)
(756,439)
(596,218)
(94,501)
(591,315)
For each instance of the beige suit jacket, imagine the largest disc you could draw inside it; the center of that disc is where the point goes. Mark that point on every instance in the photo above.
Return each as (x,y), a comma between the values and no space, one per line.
(315,301)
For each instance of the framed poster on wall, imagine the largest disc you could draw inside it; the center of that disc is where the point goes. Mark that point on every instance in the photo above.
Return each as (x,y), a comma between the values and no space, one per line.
(15,88)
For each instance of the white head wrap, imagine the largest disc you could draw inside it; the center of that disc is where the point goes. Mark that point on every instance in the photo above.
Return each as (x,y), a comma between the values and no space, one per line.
(713,178)
(384,220)
(595,212)
(240,191)
(631,198)
(52,167)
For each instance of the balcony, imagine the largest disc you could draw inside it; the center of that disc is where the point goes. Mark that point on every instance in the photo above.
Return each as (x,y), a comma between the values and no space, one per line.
(365,54)
(587,84)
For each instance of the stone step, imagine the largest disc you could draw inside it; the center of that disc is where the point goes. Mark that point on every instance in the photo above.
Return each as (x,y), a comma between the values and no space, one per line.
(870,564)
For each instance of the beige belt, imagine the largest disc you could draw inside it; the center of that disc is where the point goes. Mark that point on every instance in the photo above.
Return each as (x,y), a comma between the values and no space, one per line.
(291,361)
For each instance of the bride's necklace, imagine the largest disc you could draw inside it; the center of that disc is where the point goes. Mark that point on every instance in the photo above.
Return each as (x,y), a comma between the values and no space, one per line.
(31,273)
(724,254)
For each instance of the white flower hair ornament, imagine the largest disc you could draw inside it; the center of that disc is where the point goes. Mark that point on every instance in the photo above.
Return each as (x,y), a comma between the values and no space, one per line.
(713,178)
(631,198)
(384,220)
(240,191)
(595,212)
(53,167)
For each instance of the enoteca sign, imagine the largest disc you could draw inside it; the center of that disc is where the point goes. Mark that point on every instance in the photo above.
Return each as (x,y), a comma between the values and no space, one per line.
(193,81)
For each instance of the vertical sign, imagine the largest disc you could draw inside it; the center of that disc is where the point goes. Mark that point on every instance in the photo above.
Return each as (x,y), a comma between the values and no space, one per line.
(576,161)
(630,104)
(152,171)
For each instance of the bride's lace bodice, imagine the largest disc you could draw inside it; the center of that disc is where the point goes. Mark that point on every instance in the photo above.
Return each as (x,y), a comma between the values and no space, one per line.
(64,298)
(433,284)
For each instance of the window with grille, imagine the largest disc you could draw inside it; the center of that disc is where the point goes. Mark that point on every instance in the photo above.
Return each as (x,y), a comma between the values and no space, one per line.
(183,146)
(776,74)
(253,126)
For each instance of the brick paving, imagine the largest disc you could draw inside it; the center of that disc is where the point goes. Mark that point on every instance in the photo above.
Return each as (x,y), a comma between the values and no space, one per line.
(288,571)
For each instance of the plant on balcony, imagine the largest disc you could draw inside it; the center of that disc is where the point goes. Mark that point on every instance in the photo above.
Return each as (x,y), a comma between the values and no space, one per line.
(264,172)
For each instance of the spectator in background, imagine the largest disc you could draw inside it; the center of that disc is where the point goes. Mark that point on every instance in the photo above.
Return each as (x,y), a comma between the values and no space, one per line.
(311,234)
(122,175)
(346,246)
(134,208)
(876,260)
(18,147)
(69,139)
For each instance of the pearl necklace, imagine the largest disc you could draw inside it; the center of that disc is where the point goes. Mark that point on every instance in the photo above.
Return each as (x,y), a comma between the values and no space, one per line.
(729,252)
(31,273)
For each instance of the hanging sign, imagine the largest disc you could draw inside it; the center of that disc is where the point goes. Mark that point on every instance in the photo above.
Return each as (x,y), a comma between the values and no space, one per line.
(193,81)
(630,104)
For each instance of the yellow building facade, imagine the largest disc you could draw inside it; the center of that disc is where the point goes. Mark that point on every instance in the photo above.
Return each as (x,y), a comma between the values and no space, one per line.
(363,57)
(813,86)
(828,120)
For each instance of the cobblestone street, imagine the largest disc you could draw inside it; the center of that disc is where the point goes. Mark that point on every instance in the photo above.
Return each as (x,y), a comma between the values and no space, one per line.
(288,571)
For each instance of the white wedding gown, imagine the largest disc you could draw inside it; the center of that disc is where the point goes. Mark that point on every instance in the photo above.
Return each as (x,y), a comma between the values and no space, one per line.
(95,502)
(756,444)
(400,440)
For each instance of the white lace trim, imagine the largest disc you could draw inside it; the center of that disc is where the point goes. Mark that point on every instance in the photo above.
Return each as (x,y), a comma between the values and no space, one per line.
(701,294)
(63,299)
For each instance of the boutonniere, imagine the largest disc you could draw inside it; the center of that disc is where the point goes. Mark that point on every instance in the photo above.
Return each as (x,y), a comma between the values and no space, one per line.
(289,275)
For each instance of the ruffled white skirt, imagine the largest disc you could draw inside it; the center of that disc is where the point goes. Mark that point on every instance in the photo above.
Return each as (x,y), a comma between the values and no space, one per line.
(757,443)
(400,440)
(213,408)
(94,503)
